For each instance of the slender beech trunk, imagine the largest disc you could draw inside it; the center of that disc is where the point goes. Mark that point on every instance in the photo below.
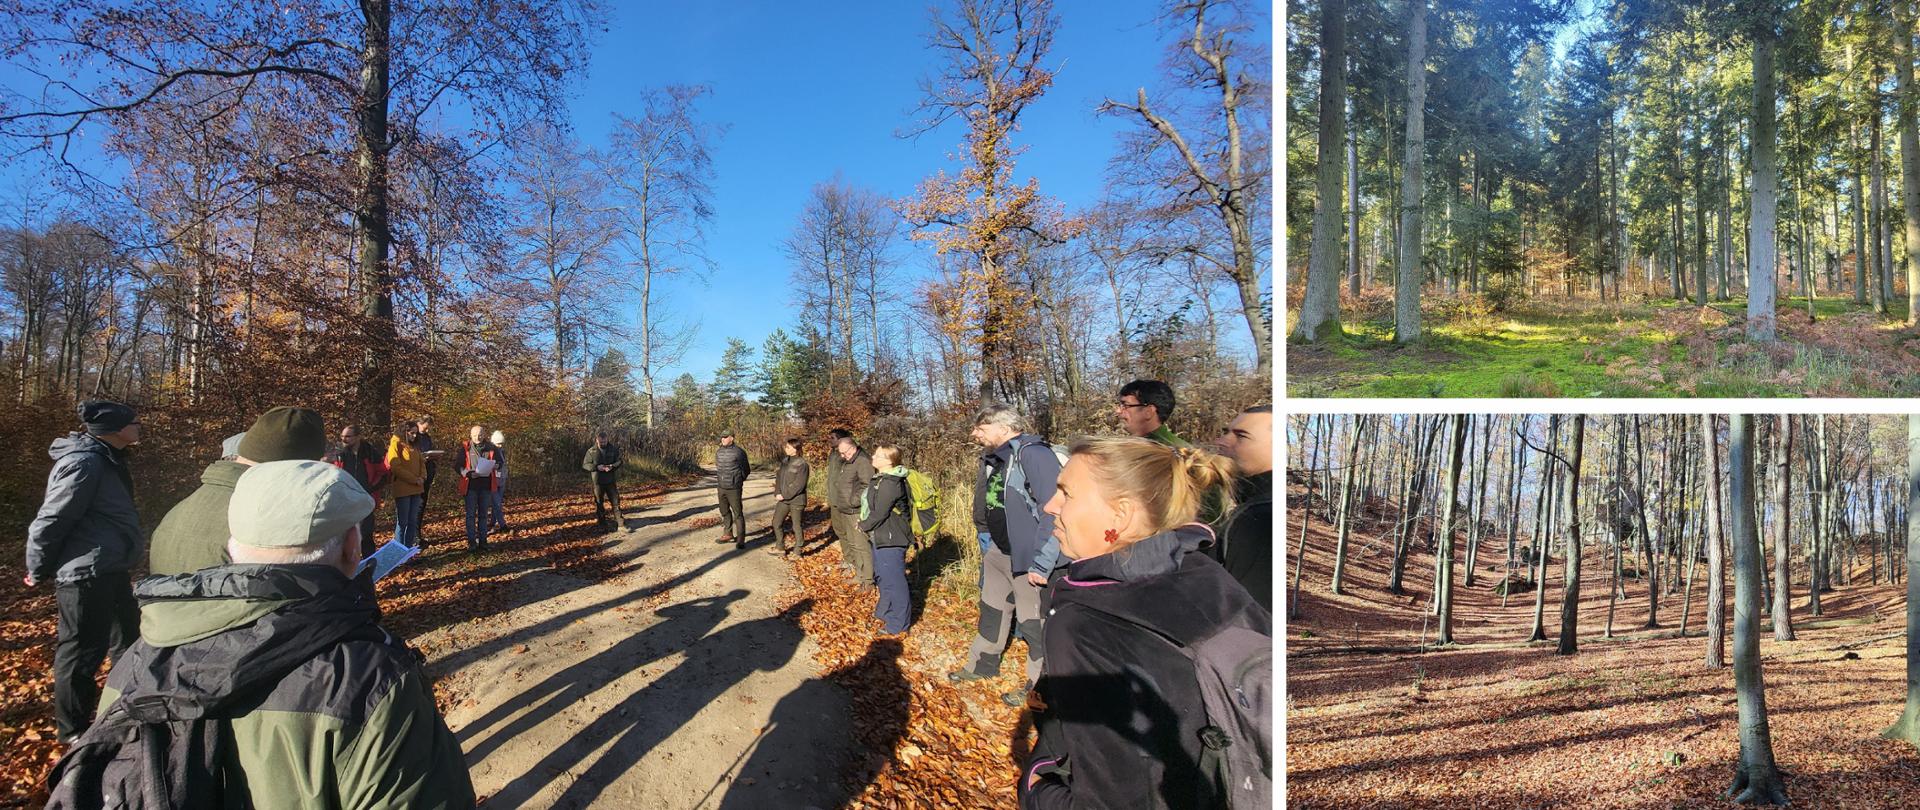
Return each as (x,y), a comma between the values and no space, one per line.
(1443,594)
(1756,779)
(1570,593)
(1716,547)
(1783,504)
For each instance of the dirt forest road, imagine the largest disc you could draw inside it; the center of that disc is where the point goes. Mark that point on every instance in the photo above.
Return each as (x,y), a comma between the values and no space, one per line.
(675,684)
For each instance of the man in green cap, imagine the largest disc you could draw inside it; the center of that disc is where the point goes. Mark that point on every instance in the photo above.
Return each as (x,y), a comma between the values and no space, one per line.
(273,680)
(193,535)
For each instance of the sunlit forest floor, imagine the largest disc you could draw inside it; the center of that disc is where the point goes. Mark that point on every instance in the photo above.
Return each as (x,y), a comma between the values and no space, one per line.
(1660,348)
(1634,721)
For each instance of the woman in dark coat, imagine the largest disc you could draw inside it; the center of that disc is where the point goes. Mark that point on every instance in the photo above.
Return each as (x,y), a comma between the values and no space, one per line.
(1119,708)
(885,512)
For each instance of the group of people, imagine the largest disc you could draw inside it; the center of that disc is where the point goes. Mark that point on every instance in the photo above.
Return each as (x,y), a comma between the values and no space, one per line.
(1114,559)
(252,667)
(1123,562)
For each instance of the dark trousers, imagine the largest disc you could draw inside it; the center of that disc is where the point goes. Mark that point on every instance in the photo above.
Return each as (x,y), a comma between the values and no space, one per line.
(896,601)
(366,534)
(733,518)
(855,546)
(478,502)
(426,487)
(603,494)
(97,616)
(789,510)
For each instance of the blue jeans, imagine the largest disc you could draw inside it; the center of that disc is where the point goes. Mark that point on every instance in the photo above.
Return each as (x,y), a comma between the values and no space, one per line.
(896,601)
(406,518)
(478,502)
(499,503)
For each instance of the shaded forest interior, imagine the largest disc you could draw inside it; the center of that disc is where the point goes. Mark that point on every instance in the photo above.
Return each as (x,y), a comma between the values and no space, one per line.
(1436,651)
(1731,189)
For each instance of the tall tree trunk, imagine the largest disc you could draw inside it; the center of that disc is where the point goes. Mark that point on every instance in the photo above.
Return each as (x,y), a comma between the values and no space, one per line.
(1353,205)
(1443,594)
(1761,211)
(1716,547)
(1783,501)
(1908,726)
(1320,309)
(1358,426)
(1757,779)
(1479,497)
(1570,591)
(1406,307)
(1909,154)
(375,406)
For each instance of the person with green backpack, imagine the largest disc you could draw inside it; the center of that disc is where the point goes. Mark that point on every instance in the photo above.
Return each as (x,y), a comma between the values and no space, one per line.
(886,514)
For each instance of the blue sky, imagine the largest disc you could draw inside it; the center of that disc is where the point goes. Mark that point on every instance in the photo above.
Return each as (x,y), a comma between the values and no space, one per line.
(808,90)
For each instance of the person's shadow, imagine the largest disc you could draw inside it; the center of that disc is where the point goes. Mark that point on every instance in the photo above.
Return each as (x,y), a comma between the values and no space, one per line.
(621,736)
(811,724)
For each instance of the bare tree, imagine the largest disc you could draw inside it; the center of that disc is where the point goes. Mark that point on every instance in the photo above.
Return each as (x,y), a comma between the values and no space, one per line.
(660,173)
(367,77)
(1221,164)
(559,257)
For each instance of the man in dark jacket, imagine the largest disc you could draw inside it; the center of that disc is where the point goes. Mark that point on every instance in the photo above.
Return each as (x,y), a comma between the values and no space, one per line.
(856,472)
(1246,534)
(730,470)
(836,519)
(281,660)
(1016,531)
(603,461)
(367,466)
(193,535)
(84,541)
(424,443)
(789,498)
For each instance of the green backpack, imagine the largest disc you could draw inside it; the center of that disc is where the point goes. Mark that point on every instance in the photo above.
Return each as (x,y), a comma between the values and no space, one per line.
(924,516)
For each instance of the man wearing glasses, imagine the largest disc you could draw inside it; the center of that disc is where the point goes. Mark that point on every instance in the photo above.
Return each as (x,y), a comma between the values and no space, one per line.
(85,540)
(1143,407)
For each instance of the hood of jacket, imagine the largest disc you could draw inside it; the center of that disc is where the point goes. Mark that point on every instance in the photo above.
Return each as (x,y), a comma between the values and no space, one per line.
(81,443)
(245,625)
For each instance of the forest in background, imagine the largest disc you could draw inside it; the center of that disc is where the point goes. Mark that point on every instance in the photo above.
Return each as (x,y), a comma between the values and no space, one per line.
(1727,183)
(381,212)
(1616,569)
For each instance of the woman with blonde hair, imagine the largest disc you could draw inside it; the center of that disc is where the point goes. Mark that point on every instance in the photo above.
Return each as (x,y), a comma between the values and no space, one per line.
(1132,635)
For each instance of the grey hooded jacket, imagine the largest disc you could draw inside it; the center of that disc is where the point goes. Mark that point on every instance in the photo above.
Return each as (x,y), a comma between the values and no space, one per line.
(87,526)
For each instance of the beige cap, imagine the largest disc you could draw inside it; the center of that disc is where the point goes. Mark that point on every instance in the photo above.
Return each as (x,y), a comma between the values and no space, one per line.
(285,504)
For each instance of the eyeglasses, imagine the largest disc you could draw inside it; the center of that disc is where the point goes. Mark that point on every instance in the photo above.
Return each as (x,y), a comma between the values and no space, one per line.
(1119,404)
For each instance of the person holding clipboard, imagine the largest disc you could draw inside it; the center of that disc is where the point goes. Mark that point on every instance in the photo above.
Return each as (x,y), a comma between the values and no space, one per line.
(478,463)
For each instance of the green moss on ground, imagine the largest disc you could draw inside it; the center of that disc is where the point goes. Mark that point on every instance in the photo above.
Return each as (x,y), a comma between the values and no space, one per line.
(1539,351)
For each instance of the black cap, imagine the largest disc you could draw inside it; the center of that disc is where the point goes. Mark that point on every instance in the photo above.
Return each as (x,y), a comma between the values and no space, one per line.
(102,416)
(286,434)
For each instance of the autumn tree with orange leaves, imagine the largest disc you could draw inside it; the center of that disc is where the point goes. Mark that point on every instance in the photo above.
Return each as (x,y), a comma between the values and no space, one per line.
(992,54)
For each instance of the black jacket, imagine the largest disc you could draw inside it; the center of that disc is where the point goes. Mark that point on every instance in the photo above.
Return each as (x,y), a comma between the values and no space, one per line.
(889,507)
(1123,704)
(598,455)
(730,466)
(87,526)
(854,477)
(791,482)
(1246,540)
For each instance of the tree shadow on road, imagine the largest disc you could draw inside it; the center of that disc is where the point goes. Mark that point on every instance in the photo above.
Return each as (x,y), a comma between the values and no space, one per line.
(623,734)
(874,692)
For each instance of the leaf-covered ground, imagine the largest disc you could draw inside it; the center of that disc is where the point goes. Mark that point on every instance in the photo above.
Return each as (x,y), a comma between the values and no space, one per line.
(1632,722)
(929,743)
(1588,349)
(444,585)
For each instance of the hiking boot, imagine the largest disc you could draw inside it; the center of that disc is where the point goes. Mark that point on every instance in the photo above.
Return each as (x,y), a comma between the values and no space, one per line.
(965,675)
(1014,699)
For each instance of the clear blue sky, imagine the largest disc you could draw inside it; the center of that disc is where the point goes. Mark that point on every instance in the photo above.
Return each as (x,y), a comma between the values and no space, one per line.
(807,90)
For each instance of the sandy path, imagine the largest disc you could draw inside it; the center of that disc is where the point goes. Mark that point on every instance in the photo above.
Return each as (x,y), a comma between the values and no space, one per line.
(673,685)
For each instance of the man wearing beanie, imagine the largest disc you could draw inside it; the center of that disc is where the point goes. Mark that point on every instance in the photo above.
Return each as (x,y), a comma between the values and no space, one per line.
(84,541)
(276,684)
(193,535)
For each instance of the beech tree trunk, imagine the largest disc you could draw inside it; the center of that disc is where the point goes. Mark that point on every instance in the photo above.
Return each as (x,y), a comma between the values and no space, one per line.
(1756,779)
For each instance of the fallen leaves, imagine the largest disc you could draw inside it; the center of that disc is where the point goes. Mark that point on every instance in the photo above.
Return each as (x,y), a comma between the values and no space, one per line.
(929,743)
